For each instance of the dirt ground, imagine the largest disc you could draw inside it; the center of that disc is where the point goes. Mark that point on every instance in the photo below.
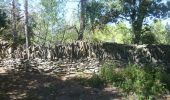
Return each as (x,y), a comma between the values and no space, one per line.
(37,86)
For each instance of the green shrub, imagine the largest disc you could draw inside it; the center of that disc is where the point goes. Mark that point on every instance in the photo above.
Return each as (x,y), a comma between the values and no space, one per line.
(96,82)
(165,78)
(107,72)
(160,72)
(142,83)
(110,75)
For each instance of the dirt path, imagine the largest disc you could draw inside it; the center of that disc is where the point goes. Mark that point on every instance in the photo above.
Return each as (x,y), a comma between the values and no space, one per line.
(33,86)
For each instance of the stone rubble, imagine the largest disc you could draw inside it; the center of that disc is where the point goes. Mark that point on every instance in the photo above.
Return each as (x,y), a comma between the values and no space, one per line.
(88,66)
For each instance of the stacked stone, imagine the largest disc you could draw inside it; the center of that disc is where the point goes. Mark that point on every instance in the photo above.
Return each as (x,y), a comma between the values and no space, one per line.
(79,50)
(88,66)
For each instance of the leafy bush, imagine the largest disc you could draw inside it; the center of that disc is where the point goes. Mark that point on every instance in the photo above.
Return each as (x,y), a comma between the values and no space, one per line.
(138,82)
(141,82)
(148,37)
(144,84)
(96,82)
(165,78)
(107,72)
(110,75)
(162,72)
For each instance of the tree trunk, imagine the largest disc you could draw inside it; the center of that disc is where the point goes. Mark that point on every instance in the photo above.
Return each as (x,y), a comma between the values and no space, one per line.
(26,28)
(136,29)
(15,35)
(82,19)
(138,22)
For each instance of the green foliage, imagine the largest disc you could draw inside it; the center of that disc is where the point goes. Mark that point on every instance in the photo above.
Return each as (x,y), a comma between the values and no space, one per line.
(66,36)
(102,35)
(165,79)
(146,84)
(3,20)
(140,82)
(159,30)
(148,37)
(118,33)
(49,22)
(167,27)
(94,14)
(7,21)
(107,73)
(135,12)
(147,8)
(123,33)
(96,82)
(156,33)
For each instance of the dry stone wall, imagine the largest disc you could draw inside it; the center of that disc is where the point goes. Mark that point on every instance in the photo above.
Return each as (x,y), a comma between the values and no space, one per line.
(77,51)
(79,56)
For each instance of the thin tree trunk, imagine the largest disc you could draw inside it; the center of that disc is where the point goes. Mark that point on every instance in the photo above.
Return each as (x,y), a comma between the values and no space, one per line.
(82,19)
(26,28)
(15,35)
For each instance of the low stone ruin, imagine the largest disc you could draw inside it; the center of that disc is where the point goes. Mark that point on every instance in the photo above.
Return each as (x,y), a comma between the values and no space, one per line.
(80,56)
(82,50)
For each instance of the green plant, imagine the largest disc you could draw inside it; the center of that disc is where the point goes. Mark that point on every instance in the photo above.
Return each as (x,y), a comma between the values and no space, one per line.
(143,83)
(165,79)
(107,72)
(96,82)
(140,83)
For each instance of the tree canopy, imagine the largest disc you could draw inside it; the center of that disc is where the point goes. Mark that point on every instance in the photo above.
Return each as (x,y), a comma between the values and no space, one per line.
(136,12)
(93,19)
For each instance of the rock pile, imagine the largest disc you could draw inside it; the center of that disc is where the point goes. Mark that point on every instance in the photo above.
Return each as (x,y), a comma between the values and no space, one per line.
(87,66)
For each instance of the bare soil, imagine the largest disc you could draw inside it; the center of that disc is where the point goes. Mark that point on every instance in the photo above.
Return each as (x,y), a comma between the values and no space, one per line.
(37,86)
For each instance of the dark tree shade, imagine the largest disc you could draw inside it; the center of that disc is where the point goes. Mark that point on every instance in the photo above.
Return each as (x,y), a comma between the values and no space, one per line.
(3,19)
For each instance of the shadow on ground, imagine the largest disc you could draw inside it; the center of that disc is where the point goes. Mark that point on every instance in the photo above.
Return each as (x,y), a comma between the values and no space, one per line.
(37,86)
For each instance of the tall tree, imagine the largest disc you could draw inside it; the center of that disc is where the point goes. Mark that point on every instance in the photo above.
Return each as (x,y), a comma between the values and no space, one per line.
(49,17)
(82,19)
(26,28)
(94,10)
(49,20)
(136,11)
